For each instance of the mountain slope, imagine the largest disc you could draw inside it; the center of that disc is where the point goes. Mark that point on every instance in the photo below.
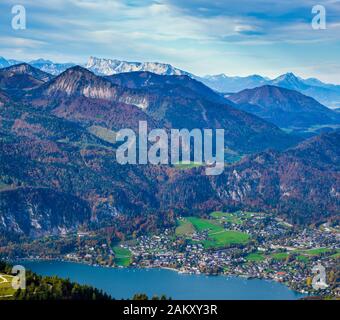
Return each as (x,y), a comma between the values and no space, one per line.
(22,77)
(49,163)
(4,99)
(175,106)
(79,95)
(149,80)
(283,107)
(40,211)
(300,184)
(327,94)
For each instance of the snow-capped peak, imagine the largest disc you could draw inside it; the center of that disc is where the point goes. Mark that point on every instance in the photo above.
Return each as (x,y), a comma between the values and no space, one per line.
(40,61)
(289,76)
(289,80)
(113,66)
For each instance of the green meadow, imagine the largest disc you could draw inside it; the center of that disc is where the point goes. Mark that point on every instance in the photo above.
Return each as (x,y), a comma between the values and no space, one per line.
(225,238)
(227,217)
(122,256)
(255,257)
(184,228)
(218,237)
(279,256)
(315,252)
(187,165)
(205,224)
(6,290)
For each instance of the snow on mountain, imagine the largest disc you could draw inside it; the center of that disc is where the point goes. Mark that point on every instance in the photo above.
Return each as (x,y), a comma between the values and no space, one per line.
(4,63)
(109,67)
(327,94)
(51,67)
(289,81)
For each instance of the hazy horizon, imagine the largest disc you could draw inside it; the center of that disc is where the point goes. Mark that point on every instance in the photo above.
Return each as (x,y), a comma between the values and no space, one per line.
(200,75)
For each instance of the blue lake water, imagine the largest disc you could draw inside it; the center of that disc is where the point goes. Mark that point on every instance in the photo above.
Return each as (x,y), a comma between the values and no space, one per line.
(125,282)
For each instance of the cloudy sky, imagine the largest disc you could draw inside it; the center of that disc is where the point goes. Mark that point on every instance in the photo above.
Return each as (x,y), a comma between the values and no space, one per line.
(267,37)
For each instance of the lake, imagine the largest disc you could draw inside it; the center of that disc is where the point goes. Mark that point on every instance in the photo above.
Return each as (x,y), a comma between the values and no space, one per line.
(125,282)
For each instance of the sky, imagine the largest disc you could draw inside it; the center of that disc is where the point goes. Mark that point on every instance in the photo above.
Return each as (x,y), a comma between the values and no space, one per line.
(266,37)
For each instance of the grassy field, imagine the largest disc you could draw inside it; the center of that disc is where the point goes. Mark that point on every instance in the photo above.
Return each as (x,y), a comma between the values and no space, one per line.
(315,252)
(217,236)
(205,224)
(185,228)
(227,217)
(103,133)
(255,257)
(280,256)
(122,256)
(302,258)
(238,217)
(187,165)
(335,256)
(225,238)
(6,289)
(305,255)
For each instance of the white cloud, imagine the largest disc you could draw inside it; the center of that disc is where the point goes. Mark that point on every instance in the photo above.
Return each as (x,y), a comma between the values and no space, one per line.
(201,36)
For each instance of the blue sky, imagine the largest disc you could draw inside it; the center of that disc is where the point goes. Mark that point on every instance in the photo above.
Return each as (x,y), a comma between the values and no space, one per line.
(267,37)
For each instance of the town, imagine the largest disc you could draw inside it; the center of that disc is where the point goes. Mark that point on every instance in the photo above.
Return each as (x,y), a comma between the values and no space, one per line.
(246,244)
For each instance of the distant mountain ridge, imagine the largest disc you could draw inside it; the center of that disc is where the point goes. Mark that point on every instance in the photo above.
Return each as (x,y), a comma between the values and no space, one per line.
(226,84)
(109,67)
(51,67)
(284,107)
(327,94)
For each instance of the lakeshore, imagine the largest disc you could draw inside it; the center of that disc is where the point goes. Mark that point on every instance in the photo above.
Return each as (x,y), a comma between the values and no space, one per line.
(123,283)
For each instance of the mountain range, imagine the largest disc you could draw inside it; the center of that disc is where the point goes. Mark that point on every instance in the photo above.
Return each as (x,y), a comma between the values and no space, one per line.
(57,153)
(80,94)
(326,94)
